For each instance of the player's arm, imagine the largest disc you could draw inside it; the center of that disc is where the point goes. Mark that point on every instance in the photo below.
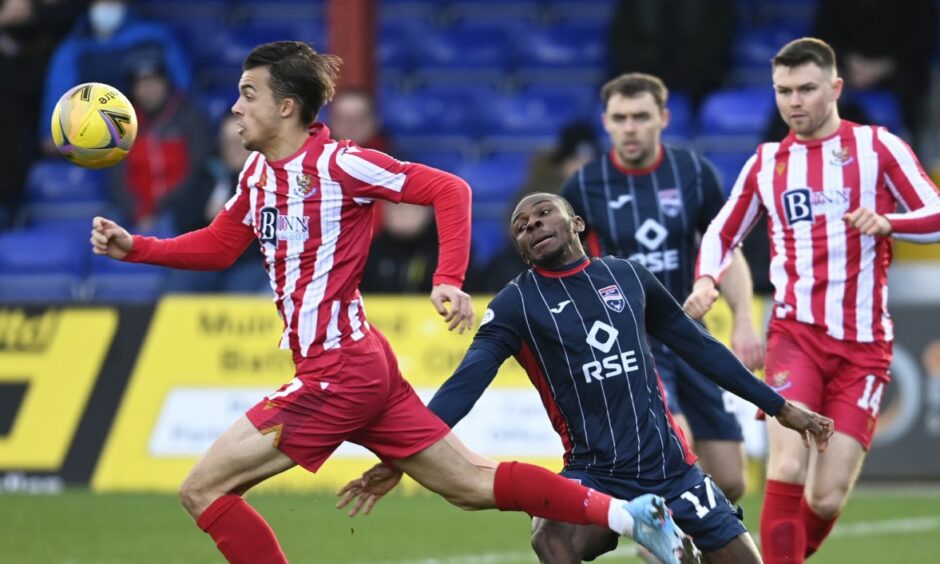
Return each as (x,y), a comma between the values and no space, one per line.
(371,174)
(738,290)
(666,321)
(911,186)
(214,247)
(724,234)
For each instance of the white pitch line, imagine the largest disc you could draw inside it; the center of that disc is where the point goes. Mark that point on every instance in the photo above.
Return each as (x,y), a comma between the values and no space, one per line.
(626,548)
(912,525)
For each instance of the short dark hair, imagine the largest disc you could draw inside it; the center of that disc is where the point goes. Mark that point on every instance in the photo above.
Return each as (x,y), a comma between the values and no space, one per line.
(634,83)
(805,50)
(550,195)
(298,72)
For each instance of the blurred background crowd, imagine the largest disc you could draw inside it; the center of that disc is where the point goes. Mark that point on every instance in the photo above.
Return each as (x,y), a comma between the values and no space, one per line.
(503,93)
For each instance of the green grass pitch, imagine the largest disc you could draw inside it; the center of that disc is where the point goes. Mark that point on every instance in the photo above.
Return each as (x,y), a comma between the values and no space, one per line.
(880,525)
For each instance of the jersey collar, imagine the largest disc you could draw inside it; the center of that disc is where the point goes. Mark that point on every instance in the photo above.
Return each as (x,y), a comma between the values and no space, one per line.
(638,171)
(567,270)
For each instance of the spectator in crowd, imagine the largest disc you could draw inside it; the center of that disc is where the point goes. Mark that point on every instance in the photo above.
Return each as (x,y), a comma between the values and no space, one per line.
(404,252)
(577,145)
(29,31)
(354,116)
(687,43)
(883,45)
(164,176)
(101,47)
(244,276)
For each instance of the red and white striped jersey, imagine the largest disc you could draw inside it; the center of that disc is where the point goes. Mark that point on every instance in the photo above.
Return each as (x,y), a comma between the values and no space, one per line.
(824,273)
(312,215)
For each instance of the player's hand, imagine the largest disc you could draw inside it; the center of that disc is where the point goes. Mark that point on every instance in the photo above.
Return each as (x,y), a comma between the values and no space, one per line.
(747,345)
(807,423)
(460,314)
(702,298)
(110,239)
(868,222)
(367,490)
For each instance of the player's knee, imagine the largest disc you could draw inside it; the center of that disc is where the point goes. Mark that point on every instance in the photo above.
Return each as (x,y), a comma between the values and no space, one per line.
(193,498)
(826,504)
(786,469)
(733,487)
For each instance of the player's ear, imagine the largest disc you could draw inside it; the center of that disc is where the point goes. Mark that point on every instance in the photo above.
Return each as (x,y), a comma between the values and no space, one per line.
(578,224)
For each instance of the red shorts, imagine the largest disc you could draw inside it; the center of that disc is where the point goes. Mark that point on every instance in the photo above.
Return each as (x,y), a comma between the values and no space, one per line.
(842,380)
(358,396)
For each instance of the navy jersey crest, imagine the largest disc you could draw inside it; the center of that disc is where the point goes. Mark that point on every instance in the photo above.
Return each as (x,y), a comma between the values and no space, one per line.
(654,216)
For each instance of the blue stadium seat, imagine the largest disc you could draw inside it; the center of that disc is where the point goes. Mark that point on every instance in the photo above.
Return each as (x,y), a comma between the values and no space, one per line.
(218,102)
(728,165)
(58,181)
(882,108)
(429,112)
(537,111)
(126,288)
(464,54)
(449,161)
(106,266)
(735,120)
(43,252)
(395,51)
(39,288)
(597,11)
(496,179)
(569,51)
(490,237)
(255,10)
(681,120)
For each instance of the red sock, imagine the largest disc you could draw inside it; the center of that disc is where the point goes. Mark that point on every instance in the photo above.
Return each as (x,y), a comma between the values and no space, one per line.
(782,536)
(540,493)
(242,535)
(817,528)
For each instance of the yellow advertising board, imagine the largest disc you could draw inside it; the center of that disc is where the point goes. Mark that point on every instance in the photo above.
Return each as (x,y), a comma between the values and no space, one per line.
(207,360)
(55,355)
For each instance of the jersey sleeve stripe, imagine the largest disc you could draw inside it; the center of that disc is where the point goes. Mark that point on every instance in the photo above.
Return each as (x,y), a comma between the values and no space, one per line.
(368,173)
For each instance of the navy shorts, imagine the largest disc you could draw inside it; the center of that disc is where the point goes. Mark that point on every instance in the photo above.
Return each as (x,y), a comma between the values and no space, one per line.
(691,393)
(698,505)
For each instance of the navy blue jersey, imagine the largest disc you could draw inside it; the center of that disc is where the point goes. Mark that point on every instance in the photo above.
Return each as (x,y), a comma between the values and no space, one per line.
(653,216)
(581,335)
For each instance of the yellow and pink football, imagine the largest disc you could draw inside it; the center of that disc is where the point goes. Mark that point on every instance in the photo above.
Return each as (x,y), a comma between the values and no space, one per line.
(94,125)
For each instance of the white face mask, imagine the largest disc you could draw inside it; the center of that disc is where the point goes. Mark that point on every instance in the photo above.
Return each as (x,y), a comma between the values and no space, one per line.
(107,17)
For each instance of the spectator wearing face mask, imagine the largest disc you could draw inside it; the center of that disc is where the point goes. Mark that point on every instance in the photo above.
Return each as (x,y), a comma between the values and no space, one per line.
(100,48)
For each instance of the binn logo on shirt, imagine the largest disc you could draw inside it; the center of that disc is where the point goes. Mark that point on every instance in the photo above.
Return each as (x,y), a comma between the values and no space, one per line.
(797,205)
(273,226)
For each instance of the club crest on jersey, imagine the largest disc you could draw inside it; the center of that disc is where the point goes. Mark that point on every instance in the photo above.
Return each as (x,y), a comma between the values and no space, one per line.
(612,297)
(841,157)
(670,201)
(304,184)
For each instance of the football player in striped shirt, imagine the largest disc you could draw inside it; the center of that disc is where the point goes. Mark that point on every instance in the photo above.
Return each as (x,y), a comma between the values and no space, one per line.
(830,190)
(580,327)
(307,200)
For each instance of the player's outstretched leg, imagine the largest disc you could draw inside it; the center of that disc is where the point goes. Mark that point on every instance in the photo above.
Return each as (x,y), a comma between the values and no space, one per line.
(239,459)
(654,528)
(452,470)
